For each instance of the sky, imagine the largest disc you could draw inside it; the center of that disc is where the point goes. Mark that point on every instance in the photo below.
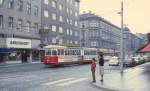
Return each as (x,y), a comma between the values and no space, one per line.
(136,12)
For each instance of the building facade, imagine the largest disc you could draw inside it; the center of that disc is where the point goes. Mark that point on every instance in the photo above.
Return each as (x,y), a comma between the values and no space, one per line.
(142,36)
(99,33)
(20,21)
(132,42)
(60,22)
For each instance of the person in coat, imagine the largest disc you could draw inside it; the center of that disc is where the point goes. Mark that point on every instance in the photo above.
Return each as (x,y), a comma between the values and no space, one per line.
(93,68)
(101,65)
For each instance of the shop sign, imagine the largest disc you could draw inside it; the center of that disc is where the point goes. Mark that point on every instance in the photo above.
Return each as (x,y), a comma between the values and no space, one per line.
(18,43)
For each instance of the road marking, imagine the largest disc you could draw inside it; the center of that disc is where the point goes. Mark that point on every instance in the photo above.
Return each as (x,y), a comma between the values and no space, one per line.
(58,81)
(71,82)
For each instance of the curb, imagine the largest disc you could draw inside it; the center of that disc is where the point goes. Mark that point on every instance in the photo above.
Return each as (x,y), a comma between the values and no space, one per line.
(5,65)
(98,84)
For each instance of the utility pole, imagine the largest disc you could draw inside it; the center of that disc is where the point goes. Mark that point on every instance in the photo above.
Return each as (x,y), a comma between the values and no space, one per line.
(122,36)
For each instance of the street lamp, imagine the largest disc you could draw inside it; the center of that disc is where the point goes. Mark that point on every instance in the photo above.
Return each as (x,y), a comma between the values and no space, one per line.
(122,36)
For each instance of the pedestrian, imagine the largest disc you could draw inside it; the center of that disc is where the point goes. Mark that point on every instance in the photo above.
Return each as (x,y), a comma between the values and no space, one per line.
(22,57)
(93,68)
(101,65)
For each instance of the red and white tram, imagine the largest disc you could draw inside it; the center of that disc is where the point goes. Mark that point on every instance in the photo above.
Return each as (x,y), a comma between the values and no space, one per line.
(61,55)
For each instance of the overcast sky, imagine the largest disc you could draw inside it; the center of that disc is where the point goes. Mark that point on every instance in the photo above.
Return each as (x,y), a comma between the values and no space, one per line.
(137,12)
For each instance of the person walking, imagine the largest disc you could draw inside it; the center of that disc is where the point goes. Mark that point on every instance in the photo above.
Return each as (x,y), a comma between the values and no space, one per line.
(101,65)
(93,68)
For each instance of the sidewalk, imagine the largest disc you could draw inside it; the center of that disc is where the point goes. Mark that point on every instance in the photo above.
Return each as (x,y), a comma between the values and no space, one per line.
(130,80)
(16,63)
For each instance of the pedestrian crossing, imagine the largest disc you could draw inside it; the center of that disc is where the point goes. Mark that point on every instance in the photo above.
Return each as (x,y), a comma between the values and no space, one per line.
(65,82)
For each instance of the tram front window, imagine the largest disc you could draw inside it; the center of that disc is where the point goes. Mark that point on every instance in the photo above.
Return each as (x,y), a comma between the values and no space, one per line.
(48,53)
(54,52)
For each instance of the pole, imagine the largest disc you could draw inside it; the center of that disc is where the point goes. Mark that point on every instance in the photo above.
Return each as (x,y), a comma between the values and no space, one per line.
(122,36)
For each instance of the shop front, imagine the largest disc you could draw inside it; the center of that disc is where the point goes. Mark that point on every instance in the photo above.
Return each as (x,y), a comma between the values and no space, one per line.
(21,49)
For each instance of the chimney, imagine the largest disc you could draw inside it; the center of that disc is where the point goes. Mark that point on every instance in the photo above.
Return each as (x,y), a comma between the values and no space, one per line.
(148,37)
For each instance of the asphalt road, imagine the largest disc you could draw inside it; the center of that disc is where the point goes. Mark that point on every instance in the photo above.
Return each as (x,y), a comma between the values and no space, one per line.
(37,77)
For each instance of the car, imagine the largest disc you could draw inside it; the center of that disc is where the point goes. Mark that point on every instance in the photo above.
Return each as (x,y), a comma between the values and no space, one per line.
(136,59)
(129,62)
(139,59)
(114,61)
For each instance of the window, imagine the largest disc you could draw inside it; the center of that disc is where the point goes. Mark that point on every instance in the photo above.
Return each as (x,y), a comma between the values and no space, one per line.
(71,32)
(60,7)
(76,14)
(20,5)
(67,0)
(35,10)
(36,27)
(60,30)
(67,31)
(68,10)
(53,16)
(46,14)
(71,1)
(60,18)
(11,4)
(53,40)
(28,8)
(20,24)
(28,26)
(1,21)
(54,4)
(76,34)
(1,2)
(76,4)
(94,24)
(71,22)
(60,41)
(46,2)
(71,41)
(76,42)
(10,22)
(67,20)
(53,28)
(76,23)
(93,43)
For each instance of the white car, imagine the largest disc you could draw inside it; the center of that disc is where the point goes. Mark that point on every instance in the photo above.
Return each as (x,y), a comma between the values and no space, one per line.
(114,61)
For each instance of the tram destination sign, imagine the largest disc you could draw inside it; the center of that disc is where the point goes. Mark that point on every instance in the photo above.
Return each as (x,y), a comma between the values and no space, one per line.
(18,43)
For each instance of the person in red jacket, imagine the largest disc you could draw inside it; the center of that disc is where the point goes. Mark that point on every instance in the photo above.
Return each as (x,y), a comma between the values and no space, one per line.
(93,68)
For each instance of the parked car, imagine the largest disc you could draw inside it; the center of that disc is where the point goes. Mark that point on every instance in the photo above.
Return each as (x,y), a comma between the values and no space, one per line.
(129,62)
(137,60)
(114,61)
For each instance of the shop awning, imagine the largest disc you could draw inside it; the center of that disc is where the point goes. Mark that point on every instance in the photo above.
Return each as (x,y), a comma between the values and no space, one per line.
(145,48)
(6,50)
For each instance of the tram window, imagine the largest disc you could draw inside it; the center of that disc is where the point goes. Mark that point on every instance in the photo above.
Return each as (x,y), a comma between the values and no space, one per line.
(62,52)
(54,52)
(59,52)
(74,52)
(85,52)
(66,52)
(78,52)
(48,52)
(69,52)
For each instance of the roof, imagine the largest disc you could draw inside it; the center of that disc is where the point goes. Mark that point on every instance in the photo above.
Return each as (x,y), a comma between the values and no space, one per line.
(145,48)
(87,16)
(54,46)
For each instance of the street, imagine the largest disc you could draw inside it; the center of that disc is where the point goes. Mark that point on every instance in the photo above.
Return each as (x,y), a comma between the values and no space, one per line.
(37,77)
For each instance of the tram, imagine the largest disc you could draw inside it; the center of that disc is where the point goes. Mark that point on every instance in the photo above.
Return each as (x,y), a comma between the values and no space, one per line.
(61,55)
